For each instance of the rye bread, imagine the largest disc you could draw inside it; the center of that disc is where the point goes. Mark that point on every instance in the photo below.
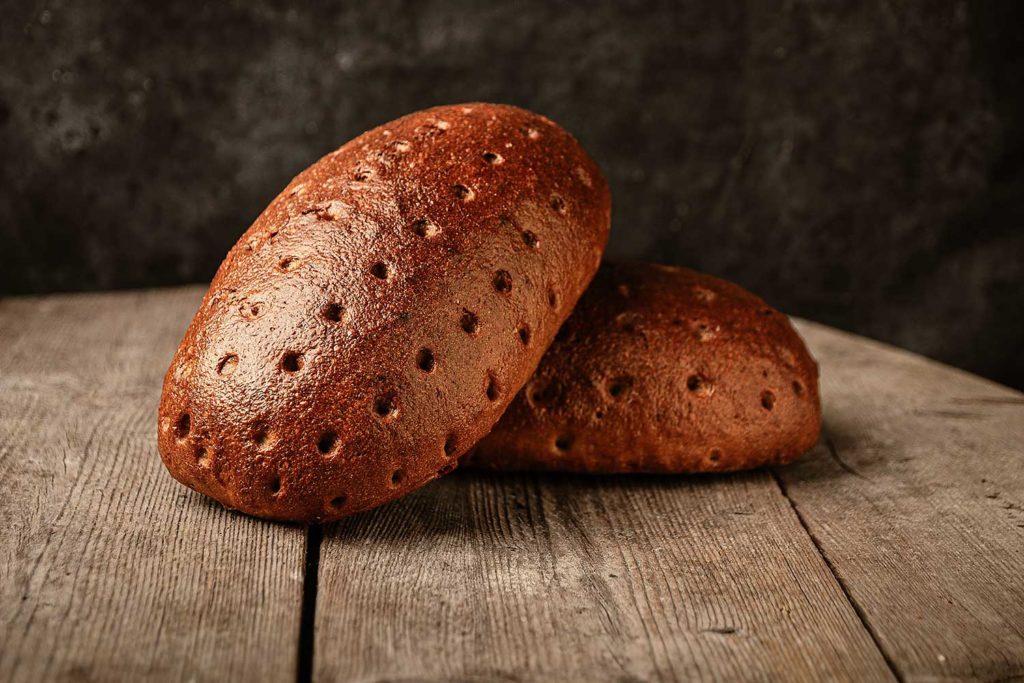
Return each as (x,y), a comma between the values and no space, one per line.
(381,313)
(662,369)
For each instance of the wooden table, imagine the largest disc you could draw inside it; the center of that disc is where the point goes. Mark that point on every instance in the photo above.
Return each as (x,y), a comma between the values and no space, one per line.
(894,550)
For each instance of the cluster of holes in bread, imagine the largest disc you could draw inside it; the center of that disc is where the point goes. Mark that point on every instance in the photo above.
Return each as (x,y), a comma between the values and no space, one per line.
(543,396)
(386,405)
(264,439)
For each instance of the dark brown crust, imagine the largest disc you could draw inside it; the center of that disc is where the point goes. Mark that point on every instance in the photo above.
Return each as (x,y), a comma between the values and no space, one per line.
(385,309)
(662,369)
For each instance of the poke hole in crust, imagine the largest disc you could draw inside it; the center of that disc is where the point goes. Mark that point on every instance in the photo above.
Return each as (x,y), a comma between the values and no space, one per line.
(250,310)
(425,360)
(447,469)
(493,158)
(469,322)
(396,477)
(288,263)
(292,362)
(463,192)
(227,365)
(767,400)
(619,386)
(202,456)
(524,334)
(327,442)
(333,313)
(552,298)
(700,385)
(704,332)
(450,444)
(183,426)
(563,442)
(386,406)
(338,501)
(715,455)
(275,486)
(558,204)
(798,388)
(263,437)
(425,228)
(380,270)
(493,391)
(503,282)
(544,395)
(530,239)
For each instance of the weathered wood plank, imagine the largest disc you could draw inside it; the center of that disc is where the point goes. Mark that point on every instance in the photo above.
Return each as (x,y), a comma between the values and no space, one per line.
(917,501)
(110,570)
(557,578)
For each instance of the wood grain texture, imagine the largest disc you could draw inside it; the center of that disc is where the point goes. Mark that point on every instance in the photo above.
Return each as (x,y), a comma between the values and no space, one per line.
(110,570)
(563,578)
(916,498)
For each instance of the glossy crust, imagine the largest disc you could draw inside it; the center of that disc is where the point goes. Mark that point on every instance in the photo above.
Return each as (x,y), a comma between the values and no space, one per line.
(378,317)
(662,369)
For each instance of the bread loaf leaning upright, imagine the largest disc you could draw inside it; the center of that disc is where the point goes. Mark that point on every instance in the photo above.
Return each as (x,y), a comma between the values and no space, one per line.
(378,317)
(662,369)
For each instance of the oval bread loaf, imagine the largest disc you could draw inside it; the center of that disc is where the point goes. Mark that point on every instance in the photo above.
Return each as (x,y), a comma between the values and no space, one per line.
(662,369)
(378,317)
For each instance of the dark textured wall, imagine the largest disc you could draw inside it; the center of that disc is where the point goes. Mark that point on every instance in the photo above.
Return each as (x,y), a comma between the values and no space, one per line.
(858,163)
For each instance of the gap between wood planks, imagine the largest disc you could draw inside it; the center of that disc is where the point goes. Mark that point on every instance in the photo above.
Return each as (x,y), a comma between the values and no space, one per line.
(307,620)
(828,563)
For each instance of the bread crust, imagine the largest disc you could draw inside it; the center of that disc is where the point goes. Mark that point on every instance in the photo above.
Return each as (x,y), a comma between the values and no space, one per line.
(377,318)
(662,369)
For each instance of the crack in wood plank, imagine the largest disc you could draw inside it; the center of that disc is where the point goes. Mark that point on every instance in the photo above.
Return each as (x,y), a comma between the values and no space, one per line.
(835,575)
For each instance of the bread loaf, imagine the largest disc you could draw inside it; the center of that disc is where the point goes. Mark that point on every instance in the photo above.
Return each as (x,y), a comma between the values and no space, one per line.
(380,314)
(662,369)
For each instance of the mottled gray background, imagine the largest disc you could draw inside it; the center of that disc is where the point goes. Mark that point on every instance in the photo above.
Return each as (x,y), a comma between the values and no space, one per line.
(858,163)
